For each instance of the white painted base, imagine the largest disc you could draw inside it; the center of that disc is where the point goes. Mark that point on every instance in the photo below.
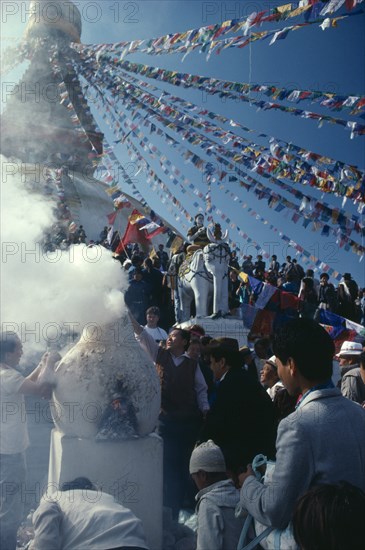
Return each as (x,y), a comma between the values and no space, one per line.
(230,328)
(130,470)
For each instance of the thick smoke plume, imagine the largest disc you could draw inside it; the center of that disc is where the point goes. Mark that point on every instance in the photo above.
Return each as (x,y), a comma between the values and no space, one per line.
(47,297)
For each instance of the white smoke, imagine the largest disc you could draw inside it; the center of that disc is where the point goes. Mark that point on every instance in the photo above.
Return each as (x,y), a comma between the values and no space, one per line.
(47,296)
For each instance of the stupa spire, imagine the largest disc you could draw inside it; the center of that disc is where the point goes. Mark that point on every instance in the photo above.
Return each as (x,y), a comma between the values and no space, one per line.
(35,127)
(53,19)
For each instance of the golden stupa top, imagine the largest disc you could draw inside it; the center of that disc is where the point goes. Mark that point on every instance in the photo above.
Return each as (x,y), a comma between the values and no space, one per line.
(46,15)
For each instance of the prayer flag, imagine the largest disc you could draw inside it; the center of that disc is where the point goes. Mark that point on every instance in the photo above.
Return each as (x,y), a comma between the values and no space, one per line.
(133,235)
(111,217)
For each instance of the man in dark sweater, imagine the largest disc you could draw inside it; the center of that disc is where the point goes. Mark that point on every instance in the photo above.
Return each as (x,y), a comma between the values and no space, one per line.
(184,402)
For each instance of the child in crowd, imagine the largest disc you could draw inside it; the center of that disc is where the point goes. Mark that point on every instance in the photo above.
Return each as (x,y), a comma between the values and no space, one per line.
(218,528)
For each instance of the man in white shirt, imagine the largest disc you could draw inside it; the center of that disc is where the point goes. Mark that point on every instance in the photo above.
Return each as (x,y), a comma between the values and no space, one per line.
(153,317)
(14,433)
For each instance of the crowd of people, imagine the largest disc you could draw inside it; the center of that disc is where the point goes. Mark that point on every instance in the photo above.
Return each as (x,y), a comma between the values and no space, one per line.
(153,276)
(347,300)
(222,406)
(314,294)
(232,403)
(153,281)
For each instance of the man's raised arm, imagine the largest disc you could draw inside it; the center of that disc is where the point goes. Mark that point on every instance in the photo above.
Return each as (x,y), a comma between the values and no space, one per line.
(146,341)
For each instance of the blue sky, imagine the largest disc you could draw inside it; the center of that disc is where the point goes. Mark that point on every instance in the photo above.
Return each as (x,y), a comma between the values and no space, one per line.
(310,58)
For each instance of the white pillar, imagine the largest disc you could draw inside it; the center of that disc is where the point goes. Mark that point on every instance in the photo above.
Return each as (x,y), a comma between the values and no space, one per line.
(130,470)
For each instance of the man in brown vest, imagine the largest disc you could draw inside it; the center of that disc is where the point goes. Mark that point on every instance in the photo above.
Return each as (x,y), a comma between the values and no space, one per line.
(184,403)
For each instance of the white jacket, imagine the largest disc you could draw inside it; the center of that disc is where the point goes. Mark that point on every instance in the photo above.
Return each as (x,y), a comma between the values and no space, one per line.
(218,528)
(84,520)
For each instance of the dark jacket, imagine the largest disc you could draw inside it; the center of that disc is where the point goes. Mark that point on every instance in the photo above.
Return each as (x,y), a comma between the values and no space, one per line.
(241,419)
(327,295)
(136,298)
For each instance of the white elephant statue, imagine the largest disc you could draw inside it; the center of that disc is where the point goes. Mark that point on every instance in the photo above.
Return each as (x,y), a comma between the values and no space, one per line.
(204,277)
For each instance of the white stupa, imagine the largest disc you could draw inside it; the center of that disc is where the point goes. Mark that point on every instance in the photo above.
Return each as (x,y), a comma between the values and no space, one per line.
(109,369)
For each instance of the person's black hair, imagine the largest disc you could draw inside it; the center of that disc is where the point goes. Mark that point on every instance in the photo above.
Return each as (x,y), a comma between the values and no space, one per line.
(330,517)
(148,263)
(265,343)
(309,345)
(8,342)
(136,260)
(204,340)
(82,483)
(233,358)
(156,262)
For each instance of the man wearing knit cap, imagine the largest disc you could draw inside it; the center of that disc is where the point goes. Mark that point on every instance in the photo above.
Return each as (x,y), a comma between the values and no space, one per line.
(218,528)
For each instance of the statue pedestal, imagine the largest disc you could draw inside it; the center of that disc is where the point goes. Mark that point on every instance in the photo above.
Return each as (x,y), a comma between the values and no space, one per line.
(129,470)
(232,328)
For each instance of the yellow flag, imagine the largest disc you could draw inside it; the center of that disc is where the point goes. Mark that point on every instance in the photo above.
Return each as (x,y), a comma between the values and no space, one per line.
(176,243)
(283,9)
(243,276)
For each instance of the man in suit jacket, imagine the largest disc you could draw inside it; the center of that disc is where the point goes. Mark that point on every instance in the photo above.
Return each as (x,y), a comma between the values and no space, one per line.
(323,441)
(241,419)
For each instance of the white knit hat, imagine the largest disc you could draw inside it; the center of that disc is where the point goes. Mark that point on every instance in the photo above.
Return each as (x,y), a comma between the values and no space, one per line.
(207,457)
